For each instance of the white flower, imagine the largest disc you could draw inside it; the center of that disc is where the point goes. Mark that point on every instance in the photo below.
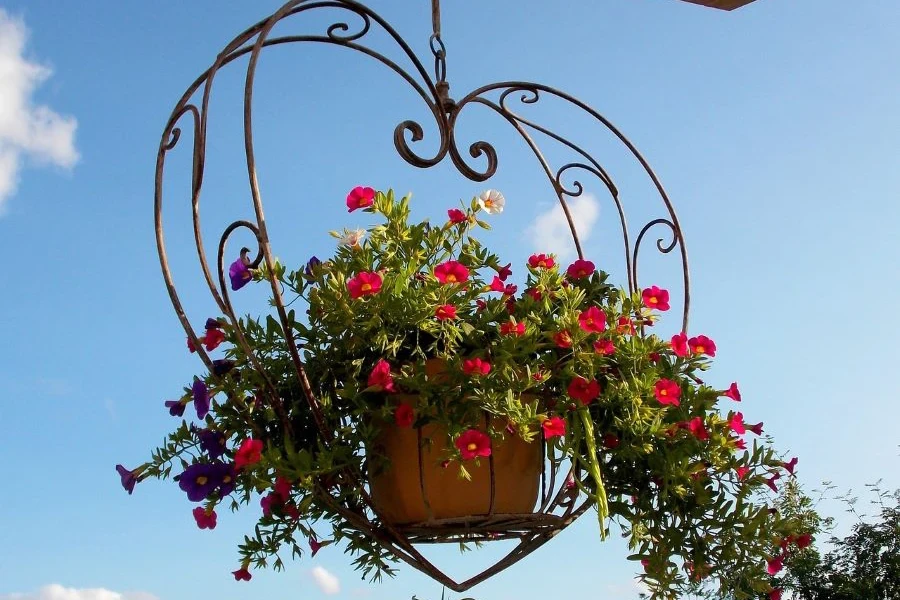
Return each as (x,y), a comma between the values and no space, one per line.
(492,202)
(353,238)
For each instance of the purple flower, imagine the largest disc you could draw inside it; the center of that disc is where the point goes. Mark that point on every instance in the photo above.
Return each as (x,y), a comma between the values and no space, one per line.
(239,271)
(128,478)
(200,480)
(201,398)
(312,264)
(212,324)
(222,367)
(212,442)
(226,475)
(176,407)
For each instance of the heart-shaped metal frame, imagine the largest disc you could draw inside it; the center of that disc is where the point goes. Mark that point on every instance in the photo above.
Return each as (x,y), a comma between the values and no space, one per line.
(559,504)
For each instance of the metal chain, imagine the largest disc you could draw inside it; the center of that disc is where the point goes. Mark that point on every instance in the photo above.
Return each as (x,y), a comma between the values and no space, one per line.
(440,58)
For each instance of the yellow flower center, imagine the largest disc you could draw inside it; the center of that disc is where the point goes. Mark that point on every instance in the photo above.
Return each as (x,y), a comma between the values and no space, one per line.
(472,447)
(366,287)
(663,392)
(226,479)
(699,349)
(488,203)
(451,278)
(201,480)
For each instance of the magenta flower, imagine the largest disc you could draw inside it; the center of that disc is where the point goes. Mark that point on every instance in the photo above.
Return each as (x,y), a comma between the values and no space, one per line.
(697,427)
(360,197)
(774,565)
(242,574)
(702,345)
(737,423)
(733,392)
(239,271)
(789,466)
(757,429)
(771,482)
(315,545)
(456,216)
(205,520)
(592,320)
(742,471)
(667,392)
(654,297)
(580,268)
(680,345)
(201,398)
(504,272)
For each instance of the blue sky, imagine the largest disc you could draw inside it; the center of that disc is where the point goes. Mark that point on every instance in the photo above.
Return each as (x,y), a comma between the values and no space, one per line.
(774,129)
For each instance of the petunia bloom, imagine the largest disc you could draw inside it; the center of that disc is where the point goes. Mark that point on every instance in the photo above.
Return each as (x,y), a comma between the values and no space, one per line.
(698,428)
(404,415)
(733,392)
(311,265)
(562,339)
(580,268)
(771,482)
(737,423)
(604,347)
(176,407)
(212,339)
(510,328)
(366,283)
(541,261)
(553,427)
(774,565)
(282,488)
(249,453)
(583,390)
(242,574)
(492,202)
(199,480)
(205,520)
(314,545)
(680,345)
(451,272)
(476,366)
(129,479)
(775,594)
(472,443)
(239,271)
(212,442)
(456,216)
(757,428)
(789,466)
(667,392)
(611,440)
(592,320)
(702,345)
(803,540)
(654,297)
(444,312)
(625,326)
(504,272)
(380,378)
(742,471)
(360,197)
(200,394)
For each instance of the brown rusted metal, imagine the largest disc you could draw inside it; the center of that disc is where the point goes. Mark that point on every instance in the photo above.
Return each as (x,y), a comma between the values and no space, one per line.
(560,503)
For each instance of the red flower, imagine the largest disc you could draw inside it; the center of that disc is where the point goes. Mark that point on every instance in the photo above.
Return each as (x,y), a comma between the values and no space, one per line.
(535,294)
(481,304)
(610,440)
(625,325)
(291,511)
(364,284)
(445,311)
(380,378)
(580,268)
(212,339)
(314,545)
(283,488)
(473,443)
(803,540)
(242,574)
(702,345)
(249,453)
(655,297)
(541,261)
(456,216)
(775,594)
(404,415)
(451,272)
(680,344)
(698,428)
(592,320)
(774,565)
(504,272)
(553,427)
(771,481)
(740,444)
(191,346)
(583,390)
(733,392)
(757,429)
(510,328)
(267,502)
(737,423)
(604,347)
(654,357)
(476,366)
(360,197)
(205,520)
(742,471)
(789,466)
(667,392)
(563,339)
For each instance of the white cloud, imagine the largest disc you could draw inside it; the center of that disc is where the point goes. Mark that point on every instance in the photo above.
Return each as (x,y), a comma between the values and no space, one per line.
(326,581)
(54,591)
(549,232)
(27,130)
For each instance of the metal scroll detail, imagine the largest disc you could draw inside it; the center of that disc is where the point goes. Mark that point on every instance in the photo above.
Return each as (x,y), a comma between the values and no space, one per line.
(559,506)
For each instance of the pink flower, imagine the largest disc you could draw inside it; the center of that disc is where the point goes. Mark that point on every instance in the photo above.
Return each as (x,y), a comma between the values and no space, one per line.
(654,357)
(315,545)
(803,540)
(504,272)
(580,268)
(604,347)
(697,427)
(667,392)
(733,392)
(553,427)
(739,444)
(190,344)
(360,197)
(541,261)
(510,328)
(404,415)
(456,216)
(205,520)
(212,339)
(481,304)
(737,423)
(702,345)
(282,488)
(592,320)
(380,378)
(774,565)
(583,390)
(473,443)
(451,272)
(655,297)
(445,311)
(364,284)
(680,345)
(267,502)
(625,325)
(563,339)
(789,466)
(249,453)
(757,429)
(242,574)
(775,594)
(771,481)
(742,471)
(476,366)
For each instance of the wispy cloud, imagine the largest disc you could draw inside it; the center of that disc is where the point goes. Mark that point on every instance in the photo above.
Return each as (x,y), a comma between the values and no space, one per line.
(27,130)
(54,591)
(549,231)
(327,581)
